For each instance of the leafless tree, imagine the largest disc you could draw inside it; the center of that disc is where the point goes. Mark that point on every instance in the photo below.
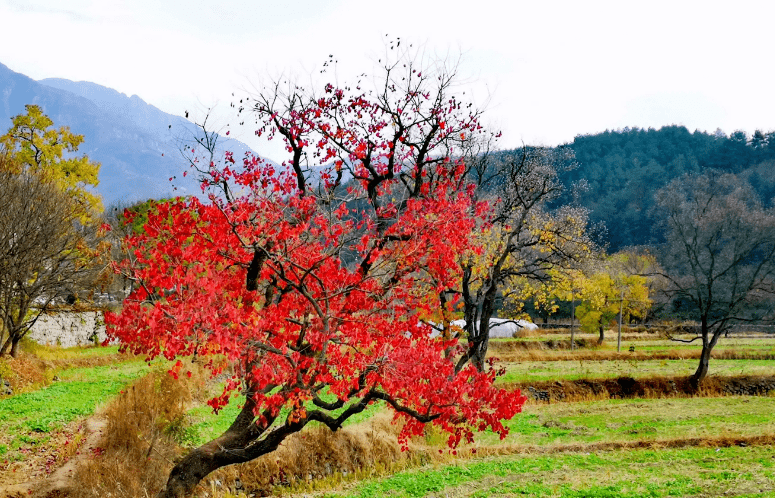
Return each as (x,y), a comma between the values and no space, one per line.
(719,254)
(526,236)
(45,256)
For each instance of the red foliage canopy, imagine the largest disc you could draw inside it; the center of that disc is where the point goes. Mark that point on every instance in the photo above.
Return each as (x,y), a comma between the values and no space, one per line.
(315,293)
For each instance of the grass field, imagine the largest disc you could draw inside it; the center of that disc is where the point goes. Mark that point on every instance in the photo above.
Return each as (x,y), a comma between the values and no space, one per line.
(697,446)
(531,371)
(37,424)
(690,446)
(77,393)
(737,471)
(638,419)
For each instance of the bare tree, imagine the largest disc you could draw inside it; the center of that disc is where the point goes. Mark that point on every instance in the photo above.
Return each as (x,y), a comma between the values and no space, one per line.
(44,254)
(719,254)
(527,237)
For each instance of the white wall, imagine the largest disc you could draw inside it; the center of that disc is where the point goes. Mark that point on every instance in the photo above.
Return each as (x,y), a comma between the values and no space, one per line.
(68,329)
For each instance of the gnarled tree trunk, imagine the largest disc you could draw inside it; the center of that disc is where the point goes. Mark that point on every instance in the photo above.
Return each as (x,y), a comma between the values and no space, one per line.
(239,444)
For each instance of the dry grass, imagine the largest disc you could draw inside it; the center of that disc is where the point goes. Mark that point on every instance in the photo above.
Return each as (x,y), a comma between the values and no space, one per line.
(647,388)
(317,458)
(524,333)
(137,449)
(26,372)
(518,353)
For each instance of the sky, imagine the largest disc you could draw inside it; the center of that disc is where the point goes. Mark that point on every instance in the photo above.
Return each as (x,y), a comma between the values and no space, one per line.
(544,71)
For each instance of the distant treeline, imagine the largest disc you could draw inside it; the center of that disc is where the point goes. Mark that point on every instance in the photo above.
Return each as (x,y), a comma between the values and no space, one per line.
(623,169)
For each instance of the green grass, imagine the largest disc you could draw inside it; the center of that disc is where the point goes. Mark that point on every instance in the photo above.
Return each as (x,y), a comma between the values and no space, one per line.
(636,420)
(682,472)
(661,472)
(206,425)
(77,394)
(537,371)
(95,351)
(27,419)
(652,343)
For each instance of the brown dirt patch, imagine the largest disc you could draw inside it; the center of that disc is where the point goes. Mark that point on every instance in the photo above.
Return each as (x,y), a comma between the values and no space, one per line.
(48,472)
(653,387)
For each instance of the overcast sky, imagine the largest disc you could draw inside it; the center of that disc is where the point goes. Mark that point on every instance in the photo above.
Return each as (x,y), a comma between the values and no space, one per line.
(546,70)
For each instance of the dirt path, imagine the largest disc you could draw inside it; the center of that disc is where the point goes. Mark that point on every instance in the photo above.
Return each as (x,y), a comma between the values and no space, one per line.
(58,482)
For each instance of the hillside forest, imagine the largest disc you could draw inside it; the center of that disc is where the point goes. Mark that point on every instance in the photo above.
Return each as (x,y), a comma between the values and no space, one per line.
(622,169)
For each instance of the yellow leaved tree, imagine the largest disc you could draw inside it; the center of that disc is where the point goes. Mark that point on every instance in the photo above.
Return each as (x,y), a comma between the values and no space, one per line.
(522,238)
(33,144)
(598,291)
(610,289)
(51,248)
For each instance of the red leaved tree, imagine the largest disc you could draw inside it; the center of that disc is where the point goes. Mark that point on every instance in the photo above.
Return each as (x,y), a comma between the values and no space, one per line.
(315,284)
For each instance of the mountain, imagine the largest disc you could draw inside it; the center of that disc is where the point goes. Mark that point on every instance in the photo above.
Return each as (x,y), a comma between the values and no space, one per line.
(136,143)
(144,116)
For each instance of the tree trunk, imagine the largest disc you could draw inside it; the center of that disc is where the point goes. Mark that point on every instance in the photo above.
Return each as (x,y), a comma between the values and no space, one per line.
(708,342)
(702,368)
(185,476)
(601,338)
(11,345)
(239,444)
(488,308)
(5,346)
(15,347)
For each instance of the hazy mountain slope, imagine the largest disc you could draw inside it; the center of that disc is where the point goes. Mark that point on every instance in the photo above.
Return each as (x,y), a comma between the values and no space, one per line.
(136,143)
(134,109)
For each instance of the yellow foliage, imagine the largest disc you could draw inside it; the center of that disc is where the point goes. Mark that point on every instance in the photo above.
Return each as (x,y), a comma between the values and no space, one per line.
(33,143)
(597,290)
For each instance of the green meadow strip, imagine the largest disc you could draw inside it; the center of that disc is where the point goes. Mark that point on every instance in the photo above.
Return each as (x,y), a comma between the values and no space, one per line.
(76,394)
(538,371)
(634,473)
(637,420)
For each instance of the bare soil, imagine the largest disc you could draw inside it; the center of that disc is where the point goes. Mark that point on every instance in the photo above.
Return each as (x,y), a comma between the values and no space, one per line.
(49,472)
(654,387)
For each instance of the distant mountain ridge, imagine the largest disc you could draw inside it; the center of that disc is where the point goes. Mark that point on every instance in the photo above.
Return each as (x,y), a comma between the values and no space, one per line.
(142,114)
(136,143)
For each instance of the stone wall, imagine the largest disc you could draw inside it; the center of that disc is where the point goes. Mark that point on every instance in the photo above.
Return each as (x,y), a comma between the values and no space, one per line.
(68,329)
